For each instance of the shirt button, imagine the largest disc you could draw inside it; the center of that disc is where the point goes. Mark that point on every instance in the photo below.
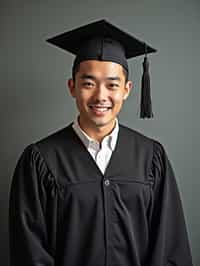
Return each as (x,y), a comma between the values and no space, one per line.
(107,182)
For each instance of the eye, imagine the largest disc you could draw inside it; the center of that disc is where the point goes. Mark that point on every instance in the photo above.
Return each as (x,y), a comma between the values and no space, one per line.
(113,85)
(88,84)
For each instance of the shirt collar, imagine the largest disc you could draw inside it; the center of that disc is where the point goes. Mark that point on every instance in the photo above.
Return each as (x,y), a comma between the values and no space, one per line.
(109,140)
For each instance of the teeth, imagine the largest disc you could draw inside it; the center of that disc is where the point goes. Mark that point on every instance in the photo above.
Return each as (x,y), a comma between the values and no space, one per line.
(100,108)
(94,106)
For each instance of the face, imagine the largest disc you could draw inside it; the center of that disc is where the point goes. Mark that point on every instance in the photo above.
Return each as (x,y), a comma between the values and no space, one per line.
(99,90)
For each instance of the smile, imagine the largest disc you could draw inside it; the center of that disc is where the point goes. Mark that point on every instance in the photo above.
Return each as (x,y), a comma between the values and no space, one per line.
(99,109)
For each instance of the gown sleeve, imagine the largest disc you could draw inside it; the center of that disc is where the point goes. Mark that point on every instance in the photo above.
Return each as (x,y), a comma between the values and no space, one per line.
(169,243)
(30,241)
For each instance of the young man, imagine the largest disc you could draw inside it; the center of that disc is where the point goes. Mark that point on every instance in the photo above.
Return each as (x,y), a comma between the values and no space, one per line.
(97,193)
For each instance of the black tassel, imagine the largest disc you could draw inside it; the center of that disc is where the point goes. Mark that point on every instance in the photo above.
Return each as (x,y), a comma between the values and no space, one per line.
(145,103)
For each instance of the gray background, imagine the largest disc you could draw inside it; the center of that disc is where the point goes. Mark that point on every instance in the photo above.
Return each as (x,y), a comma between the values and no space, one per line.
(34,100)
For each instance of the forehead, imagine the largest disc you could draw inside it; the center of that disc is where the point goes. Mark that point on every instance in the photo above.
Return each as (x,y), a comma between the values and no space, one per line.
(96,67)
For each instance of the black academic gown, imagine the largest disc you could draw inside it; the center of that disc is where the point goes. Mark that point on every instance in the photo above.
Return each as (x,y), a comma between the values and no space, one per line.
(65,212)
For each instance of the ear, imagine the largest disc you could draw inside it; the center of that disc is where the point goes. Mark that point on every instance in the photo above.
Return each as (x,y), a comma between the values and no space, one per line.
(71,86)
(128,88)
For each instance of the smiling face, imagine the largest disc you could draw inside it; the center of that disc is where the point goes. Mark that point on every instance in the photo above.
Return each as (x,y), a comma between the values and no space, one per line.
(100,90)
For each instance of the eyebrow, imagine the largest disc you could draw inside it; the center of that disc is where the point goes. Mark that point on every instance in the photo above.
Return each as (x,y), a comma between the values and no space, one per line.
(114,78)
(86,76)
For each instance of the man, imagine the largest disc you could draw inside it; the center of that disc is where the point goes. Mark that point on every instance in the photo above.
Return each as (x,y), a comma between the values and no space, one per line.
(97,193)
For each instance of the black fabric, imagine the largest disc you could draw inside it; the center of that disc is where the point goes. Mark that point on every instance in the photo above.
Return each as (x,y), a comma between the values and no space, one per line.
(100,40)
(62,212)
(72,40)
(101,49)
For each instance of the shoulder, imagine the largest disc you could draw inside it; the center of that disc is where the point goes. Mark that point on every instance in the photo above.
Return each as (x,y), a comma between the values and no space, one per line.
(133,133)
(147,153)
(56,138)
(144,146)
(140,139)
(46,150)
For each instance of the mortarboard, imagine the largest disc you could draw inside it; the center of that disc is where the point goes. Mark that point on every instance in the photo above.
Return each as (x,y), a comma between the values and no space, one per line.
(103,41)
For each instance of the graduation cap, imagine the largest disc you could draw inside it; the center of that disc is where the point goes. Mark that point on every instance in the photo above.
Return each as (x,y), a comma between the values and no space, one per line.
(103,41)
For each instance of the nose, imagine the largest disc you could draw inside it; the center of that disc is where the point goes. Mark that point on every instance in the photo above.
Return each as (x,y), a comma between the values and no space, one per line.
(101,93)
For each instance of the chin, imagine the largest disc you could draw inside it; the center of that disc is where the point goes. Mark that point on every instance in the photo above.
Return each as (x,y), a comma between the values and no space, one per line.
(102,123)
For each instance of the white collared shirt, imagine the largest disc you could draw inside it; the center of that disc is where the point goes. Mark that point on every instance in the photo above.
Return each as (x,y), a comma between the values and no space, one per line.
(100,152)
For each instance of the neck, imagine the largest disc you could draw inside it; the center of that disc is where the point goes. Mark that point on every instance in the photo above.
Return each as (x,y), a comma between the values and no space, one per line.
(97,132)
